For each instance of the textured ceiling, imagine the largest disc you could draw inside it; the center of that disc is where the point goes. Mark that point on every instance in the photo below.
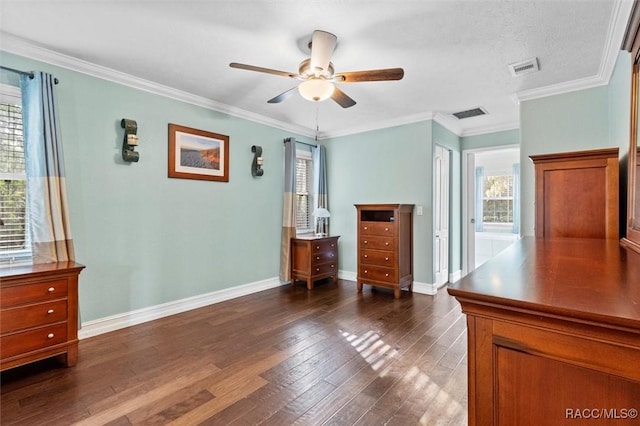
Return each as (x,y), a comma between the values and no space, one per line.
(455,53)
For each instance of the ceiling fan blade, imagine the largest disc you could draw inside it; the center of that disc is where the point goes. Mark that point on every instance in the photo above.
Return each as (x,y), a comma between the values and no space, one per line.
(264,70)
(370,75)
(282,96)
(322,46)
(342,98)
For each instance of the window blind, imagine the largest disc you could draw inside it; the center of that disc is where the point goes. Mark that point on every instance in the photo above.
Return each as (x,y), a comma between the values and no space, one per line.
(304,182)
(14,240)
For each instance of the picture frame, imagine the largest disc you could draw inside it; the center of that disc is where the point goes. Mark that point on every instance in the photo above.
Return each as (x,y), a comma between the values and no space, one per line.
(198,154)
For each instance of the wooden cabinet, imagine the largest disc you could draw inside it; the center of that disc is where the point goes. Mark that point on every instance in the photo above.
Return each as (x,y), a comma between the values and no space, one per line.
(554,334)
(314,258)
(385,246)
(577,194)
(39,313)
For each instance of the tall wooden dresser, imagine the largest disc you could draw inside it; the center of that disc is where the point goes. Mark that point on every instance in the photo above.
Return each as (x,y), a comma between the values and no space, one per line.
(385,246)
(577,194)
(314,258)
(39,313)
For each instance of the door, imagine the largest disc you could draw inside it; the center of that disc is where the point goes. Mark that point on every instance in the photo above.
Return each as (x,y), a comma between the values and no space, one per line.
(441,215)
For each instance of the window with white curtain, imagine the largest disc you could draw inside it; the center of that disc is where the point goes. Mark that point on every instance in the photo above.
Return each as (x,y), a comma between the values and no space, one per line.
(304,191)
(15,245)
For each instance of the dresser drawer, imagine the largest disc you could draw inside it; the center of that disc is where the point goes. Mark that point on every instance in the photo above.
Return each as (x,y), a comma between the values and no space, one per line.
(326,268)
(377,273)
(324,245)
(18,343)
(377,243)
(29,316)
(378,228)
(32,293)
(377,257)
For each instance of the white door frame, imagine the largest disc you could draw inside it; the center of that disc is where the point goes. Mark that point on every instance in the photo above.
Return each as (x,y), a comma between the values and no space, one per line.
(441,243)
(468,204)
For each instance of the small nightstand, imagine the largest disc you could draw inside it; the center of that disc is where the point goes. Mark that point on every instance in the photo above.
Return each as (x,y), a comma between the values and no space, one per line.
(314,258)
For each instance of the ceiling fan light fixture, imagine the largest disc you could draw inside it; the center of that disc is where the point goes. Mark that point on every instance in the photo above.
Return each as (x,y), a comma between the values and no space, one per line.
(316,89)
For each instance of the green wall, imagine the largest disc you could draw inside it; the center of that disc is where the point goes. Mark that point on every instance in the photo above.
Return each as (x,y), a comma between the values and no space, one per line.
(147,239)
(393,165)
(582,120)
(489,140)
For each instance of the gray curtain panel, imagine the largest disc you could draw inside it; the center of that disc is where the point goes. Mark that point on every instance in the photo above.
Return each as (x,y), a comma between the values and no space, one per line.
(47,200)
(288,208)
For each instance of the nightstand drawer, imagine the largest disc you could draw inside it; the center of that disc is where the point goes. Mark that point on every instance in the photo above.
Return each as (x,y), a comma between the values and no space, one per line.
(378,257)
(27,341)
(369,242)
(326,268)
(324,245)
(323,257)
(378,228)
(24,317)
(377,273)
(32,293)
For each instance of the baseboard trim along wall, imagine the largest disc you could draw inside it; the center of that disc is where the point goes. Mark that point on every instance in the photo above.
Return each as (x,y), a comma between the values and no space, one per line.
(139,316)
(418,287)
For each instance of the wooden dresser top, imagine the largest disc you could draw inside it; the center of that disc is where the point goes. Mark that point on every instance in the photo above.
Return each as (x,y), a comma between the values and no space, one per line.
(32,270)
(589,280)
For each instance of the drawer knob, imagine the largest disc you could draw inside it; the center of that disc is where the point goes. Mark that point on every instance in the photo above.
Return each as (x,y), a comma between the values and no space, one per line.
(387,243)
(333,245)
(50,336)
(386,229)
(386,258)
(317,257)
(366,227)
(317,269)
(51,289)
(366,242)
(332,266)
(386,275)
(50,311)
(366,255)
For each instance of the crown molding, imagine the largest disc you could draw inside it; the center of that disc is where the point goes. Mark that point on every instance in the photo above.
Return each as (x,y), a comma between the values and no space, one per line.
(449,122)
(615,35)
(18,46)
(492,128)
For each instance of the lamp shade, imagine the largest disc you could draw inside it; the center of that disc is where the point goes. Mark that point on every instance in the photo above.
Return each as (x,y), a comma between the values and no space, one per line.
(316,89)
(321,212)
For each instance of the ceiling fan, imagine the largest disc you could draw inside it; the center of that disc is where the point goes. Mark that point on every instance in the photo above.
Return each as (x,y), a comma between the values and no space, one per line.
(318,80)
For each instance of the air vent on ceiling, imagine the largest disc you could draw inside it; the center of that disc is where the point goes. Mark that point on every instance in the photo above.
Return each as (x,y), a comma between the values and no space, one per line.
(524,67)
(470,113)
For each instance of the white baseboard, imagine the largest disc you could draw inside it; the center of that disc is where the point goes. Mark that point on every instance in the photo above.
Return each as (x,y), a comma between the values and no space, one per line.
(127,319)
(418,287)
(455,276)
(347,275)
(424,288)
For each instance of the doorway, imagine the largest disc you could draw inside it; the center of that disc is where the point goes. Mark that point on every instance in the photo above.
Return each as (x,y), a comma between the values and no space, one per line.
(491,203)
(441,215)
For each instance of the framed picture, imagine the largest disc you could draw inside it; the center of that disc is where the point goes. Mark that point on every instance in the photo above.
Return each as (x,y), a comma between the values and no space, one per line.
(196,154)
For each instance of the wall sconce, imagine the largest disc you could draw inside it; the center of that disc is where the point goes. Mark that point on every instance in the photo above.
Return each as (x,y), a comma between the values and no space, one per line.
(256,165)
(130,140)
(321,214)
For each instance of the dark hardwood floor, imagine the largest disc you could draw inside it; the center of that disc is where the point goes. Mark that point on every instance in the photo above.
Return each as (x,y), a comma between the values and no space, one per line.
(279,357)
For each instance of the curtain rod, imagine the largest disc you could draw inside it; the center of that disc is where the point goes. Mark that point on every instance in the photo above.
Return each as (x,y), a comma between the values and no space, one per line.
(308,144)
(29,73)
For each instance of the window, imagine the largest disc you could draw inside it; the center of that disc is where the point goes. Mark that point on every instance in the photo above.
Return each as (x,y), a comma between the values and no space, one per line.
(304,191)
(498,199)
(14,227)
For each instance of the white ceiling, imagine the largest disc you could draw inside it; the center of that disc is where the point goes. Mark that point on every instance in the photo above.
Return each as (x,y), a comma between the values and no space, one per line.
(455,53)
